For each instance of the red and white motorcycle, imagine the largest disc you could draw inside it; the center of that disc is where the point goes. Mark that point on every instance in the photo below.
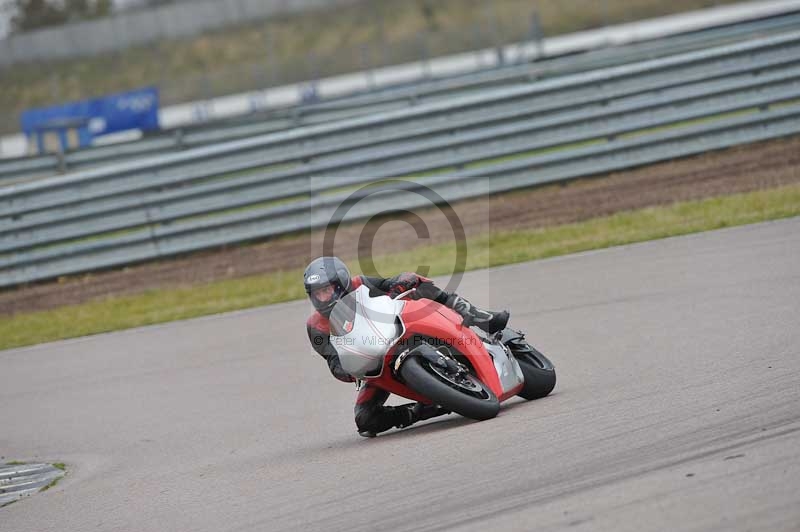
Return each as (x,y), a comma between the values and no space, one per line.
(420,350)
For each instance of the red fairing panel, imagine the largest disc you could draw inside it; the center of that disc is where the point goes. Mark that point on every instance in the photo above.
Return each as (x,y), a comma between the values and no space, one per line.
(428,318)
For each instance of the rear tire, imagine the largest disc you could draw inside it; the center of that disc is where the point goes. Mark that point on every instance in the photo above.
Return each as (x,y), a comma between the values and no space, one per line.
(540,375)
(473,400)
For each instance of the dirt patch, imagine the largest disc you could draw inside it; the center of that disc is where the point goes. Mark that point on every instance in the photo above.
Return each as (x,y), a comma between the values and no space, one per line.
(741,169)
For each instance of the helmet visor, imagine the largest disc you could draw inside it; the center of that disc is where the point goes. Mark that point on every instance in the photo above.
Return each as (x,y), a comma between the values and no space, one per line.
(324,294)
(324,297)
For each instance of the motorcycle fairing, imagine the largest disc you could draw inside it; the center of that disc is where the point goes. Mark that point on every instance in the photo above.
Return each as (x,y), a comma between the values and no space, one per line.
(507,367)
(358,316)
(364,329)
(499,371)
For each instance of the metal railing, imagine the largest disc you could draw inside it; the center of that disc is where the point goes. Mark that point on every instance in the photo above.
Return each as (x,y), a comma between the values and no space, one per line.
(14,170)
(504,139)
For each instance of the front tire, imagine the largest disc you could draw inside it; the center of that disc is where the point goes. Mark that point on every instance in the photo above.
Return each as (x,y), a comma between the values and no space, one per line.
(539,373)
(465,395)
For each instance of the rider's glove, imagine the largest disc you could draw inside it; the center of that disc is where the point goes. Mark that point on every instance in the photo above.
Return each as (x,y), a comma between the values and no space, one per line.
(403,283)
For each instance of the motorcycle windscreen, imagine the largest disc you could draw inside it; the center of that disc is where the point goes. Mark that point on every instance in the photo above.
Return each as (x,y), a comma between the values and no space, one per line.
(363,328)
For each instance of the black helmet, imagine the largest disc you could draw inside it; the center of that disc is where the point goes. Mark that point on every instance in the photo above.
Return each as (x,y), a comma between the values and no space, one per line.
(322,273)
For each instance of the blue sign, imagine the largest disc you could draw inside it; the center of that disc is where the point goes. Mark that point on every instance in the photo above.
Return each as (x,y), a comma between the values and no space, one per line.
(90,118)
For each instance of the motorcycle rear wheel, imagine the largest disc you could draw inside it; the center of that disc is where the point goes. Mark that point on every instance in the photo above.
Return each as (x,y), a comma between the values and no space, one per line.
(467,396)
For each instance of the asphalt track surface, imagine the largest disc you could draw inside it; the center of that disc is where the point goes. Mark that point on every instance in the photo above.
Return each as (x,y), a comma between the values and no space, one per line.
(677,408)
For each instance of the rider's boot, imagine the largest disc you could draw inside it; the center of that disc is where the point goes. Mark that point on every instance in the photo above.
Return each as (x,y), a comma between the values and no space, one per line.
(423,412)
(408,414)
(413,412)
(486,320)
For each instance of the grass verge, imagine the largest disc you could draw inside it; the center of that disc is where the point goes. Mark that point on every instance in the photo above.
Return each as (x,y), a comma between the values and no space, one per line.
(159,306)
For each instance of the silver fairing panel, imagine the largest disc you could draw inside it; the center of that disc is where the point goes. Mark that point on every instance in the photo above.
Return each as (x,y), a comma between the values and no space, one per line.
(363,330)
(506,365)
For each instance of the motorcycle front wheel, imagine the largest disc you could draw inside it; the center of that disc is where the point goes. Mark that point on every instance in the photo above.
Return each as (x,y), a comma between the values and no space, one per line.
(460,393)
(539,373)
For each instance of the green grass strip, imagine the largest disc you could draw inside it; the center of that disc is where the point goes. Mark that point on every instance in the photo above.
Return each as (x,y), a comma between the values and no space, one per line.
(164,305)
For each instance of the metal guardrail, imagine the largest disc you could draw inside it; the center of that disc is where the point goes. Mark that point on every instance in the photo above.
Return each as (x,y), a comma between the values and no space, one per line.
(627,114)
(23,480)
(387,99)
(310,144)
(602,58)
(149,209)
(303,143)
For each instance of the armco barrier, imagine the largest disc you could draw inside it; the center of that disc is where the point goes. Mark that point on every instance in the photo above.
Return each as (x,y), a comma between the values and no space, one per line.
(679,105)
(262,150)
(170,240)
(13,170)
(173,204)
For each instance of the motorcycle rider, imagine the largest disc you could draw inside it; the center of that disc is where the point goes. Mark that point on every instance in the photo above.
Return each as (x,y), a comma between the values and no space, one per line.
(326,280)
